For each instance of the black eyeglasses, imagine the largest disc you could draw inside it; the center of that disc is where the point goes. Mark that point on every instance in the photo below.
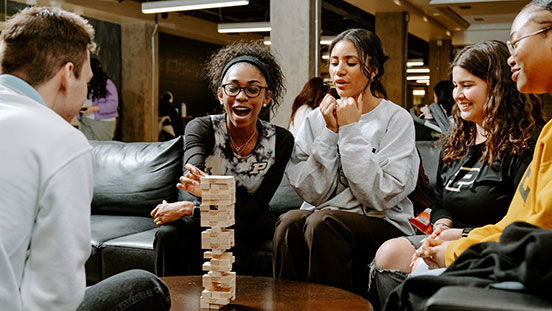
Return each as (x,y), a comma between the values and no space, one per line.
(250,91)
(512,45)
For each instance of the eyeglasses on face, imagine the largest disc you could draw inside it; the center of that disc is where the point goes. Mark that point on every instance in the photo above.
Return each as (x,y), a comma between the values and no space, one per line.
(250,90)
(512,45)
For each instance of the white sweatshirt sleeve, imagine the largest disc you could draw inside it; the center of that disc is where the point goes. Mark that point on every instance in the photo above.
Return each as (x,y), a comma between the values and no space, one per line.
(382,176)
(313,166)
(54,276)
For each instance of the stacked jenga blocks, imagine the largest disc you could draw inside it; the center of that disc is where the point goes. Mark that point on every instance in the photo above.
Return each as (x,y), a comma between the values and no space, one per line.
(217,212)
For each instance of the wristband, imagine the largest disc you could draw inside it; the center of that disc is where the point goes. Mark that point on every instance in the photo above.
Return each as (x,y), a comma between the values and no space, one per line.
(465,232)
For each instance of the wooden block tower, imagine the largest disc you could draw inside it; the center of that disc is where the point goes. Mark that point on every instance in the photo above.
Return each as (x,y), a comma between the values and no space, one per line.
(217,211)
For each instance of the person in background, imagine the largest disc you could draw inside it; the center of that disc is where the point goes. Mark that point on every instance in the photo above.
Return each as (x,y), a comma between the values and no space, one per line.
(99,113)
(354,163)
(310,97)
(437,117)
(245,77)
(46,181)
(482,161)
(170,123)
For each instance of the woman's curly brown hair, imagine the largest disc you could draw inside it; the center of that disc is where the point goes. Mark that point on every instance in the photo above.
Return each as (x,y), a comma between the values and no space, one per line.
(510,117)
(257,49)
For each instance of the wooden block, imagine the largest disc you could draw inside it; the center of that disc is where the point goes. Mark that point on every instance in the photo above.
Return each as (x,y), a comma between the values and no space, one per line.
(211,303)
(208,266)
(214,300)
(218,180)
(217,240)
(209,255)
(218,202)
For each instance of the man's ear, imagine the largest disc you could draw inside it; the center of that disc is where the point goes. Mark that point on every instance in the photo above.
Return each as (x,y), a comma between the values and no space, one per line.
(66,76)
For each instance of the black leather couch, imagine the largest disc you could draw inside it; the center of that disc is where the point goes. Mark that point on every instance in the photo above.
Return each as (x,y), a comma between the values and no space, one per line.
(130,180)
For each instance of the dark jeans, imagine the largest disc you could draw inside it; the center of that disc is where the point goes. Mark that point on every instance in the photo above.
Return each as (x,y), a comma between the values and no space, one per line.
(178,244)
(328,247)
(134,290)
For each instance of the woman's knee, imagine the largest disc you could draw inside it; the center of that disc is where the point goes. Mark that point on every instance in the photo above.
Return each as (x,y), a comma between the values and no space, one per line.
(322,222)
(395,254)
(294,218)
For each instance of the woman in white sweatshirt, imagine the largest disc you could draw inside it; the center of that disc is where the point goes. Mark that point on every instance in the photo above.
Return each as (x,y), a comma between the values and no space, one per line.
(354,163)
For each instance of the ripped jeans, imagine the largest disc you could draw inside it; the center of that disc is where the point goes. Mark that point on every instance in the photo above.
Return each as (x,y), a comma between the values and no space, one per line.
(384,281)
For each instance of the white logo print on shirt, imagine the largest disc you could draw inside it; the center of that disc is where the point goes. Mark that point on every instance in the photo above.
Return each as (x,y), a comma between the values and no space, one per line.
(468,179)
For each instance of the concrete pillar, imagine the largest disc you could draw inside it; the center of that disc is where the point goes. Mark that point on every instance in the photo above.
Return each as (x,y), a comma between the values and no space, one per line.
(439,62)
(392,29)
(293,42)
(139,107)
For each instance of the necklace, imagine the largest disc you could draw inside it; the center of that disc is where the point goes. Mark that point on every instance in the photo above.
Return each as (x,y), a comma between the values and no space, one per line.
(239,148)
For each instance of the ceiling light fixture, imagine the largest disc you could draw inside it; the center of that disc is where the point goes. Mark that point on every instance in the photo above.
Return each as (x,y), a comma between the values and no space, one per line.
(409,78)
(244,27)
(415,62)
(185,5)
(417,70)
(324,40)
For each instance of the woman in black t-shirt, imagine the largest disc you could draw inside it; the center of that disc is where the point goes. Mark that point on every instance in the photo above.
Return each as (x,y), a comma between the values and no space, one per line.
(246,79)
(482,161)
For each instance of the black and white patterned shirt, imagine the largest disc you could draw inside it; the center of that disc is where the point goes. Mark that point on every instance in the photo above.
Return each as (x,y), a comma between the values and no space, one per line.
(257,174)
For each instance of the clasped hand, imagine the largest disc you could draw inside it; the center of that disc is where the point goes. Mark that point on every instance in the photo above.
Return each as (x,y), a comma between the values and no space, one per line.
(434,247)
(336,114)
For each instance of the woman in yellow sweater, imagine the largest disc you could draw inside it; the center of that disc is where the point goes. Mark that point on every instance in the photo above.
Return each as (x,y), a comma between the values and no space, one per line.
(532,202)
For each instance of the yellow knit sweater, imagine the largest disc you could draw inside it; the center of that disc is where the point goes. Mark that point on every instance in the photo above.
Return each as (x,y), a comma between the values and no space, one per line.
(532,202)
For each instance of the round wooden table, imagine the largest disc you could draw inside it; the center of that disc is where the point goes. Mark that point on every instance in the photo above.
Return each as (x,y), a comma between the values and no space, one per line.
(261,293)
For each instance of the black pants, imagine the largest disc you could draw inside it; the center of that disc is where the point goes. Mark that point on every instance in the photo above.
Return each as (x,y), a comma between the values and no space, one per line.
(178,250)
(328,247)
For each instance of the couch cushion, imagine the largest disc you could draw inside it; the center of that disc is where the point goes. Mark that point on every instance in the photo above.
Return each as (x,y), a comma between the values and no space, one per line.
(134,251)
(132,178)
(285,198)
(109,227)
(105,228)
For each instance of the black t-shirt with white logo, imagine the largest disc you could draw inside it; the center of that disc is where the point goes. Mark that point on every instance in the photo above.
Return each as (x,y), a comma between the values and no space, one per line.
(472,194)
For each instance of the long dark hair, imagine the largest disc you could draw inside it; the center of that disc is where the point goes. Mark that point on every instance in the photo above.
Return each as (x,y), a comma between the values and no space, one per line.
(510,116)
(97,85)
(371,54)
(312,94)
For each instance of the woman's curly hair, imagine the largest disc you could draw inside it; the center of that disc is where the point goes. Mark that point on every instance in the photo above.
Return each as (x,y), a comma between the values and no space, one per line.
(510,117)
(257,49)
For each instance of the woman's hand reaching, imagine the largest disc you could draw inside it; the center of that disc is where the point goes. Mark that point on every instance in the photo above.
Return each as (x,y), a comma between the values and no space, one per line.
(191,180)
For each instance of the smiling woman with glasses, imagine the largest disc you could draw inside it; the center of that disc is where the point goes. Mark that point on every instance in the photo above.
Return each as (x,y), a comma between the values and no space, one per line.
(512,44)
(245,78)
(251,91)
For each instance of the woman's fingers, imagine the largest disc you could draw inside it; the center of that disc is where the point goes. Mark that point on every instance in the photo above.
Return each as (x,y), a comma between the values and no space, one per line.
(194,171)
